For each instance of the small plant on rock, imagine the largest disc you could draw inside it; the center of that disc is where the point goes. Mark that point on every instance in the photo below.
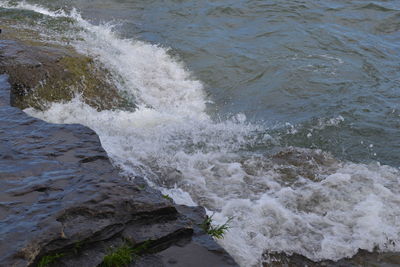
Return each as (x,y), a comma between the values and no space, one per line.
(118,257)
(49,259)
(167,197)
(124,255)
(216,231)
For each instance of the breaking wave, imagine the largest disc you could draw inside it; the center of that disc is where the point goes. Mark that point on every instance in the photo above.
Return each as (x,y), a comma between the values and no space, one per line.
(293,200)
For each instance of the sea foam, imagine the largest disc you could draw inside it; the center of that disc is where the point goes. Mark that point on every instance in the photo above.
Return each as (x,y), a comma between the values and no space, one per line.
(296,201)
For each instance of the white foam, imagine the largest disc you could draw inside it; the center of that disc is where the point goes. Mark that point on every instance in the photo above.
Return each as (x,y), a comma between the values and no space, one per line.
(148,73)
(329,214)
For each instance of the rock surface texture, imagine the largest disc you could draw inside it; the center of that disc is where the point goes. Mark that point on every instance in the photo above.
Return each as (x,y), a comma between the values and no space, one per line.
(60,197)
(43,73)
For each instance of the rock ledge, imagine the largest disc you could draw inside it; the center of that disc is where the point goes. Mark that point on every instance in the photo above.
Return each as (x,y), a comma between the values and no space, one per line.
(62,196)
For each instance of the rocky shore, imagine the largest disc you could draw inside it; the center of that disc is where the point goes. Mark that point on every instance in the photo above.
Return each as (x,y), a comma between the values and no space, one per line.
(62,203)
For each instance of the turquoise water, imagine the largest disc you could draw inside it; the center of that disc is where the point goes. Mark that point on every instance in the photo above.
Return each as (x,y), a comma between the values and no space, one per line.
(231,94)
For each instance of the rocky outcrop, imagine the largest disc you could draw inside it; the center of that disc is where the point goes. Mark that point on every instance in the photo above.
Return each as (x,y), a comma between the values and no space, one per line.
(44,73)
(61,200)
(62,203)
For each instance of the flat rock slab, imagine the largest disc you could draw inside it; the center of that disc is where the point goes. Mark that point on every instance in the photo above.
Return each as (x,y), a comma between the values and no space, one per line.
(61,194)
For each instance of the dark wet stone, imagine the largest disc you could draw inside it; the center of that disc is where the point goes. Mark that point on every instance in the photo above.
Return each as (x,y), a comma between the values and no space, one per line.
(362,258)
(194,250)
(61,195)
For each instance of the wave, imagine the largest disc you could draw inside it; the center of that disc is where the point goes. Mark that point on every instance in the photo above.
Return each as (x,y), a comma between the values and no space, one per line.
(293,201)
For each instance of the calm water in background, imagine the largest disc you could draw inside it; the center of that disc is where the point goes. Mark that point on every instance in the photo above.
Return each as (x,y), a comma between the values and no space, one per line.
(298,62)
(309,74)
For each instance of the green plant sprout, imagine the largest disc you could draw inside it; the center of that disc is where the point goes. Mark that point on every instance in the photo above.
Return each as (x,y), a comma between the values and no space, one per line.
(216,231)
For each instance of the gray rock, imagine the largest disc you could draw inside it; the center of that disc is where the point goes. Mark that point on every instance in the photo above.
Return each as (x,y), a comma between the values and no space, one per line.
(61,194)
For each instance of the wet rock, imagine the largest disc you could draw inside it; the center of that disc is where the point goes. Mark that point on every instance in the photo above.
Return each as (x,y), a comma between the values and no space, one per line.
(61,197)
(362,258)
(42,73)
(294,162)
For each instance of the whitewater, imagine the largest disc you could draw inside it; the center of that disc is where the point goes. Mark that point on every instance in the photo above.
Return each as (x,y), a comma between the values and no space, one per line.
(294,200)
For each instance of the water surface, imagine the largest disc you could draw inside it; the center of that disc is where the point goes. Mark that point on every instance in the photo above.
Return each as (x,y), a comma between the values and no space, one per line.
(232,93)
